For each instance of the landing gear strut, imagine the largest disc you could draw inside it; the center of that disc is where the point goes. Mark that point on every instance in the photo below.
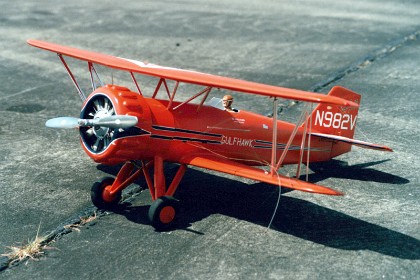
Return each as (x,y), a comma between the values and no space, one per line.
(106,193)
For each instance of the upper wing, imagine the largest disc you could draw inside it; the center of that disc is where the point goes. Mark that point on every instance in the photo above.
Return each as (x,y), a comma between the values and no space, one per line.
(224,165)
(191,77)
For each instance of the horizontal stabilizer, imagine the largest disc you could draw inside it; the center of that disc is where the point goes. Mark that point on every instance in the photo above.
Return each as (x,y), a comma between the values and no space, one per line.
(224,165)
(358,143)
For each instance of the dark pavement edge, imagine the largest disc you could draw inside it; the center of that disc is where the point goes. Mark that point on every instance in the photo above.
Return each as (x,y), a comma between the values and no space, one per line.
(68,225)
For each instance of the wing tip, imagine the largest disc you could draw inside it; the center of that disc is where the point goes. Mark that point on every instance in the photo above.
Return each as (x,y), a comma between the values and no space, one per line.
(324,190)
(336,193)
(388,149)
(305,186)
(30,41)
(36,43)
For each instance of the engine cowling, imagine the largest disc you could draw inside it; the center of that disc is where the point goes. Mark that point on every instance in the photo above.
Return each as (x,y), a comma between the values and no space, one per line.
(100,142)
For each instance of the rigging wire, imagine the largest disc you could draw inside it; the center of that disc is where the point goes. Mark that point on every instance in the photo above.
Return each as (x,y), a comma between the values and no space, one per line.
(277,203)
(302,118)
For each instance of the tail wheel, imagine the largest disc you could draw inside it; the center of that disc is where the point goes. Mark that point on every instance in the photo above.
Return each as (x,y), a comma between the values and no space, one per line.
(97,194)
(162,213)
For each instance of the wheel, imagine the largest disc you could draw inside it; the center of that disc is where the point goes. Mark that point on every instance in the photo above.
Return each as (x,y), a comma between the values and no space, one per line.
(97,191)
(162,213)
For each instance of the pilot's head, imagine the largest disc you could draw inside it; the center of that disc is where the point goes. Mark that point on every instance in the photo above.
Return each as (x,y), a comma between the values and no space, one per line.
(227,102)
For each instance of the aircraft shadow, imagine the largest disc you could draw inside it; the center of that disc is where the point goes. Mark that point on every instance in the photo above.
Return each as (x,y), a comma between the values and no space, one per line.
(203,194)
(340,169)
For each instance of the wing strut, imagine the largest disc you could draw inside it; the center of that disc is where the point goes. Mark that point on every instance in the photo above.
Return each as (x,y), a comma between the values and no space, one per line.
(292,136)
(79,90)
(302,146)
(309,144)
(92,71)
(274,147)
(171,99)
(135,82)
(162,80)
(206,91)
(289,143)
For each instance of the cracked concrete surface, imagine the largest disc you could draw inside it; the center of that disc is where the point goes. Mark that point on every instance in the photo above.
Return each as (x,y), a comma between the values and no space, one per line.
(372,232)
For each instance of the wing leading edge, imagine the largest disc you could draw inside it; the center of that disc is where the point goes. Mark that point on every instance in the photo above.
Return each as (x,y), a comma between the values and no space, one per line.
(191,77)
(224,165)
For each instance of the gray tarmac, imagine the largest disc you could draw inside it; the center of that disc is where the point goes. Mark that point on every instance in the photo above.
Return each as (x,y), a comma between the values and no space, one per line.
(371,47)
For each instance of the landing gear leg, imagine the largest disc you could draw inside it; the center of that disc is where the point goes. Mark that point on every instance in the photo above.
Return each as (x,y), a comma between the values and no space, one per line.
(164,209)
(106,193)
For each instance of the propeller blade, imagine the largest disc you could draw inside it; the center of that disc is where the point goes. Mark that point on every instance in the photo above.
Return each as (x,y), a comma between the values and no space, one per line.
(115,121)
(63,122)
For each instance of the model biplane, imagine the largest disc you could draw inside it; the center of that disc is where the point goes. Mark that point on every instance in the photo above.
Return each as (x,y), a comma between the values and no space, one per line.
(120,125)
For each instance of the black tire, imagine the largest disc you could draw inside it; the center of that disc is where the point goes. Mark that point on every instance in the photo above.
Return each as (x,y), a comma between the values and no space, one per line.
(163,212)
(96,194)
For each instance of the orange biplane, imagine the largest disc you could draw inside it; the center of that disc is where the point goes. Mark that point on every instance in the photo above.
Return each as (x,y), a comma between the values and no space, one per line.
(118,125)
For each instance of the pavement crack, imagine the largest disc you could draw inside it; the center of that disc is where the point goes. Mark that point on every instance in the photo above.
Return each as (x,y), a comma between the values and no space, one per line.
(24,91)
(366,60)
(74,223)
(40,243)
(353,67)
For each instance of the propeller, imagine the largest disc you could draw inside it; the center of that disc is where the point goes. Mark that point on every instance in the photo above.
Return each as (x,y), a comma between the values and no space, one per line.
(114,121)
(99,125)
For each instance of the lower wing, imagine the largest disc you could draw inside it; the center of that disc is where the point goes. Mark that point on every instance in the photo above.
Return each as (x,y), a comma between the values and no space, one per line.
(224,165)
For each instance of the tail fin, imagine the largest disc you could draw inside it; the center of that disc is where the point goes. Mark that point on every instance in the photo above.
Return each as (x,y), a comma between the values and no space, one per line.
(338,123)
(337,120)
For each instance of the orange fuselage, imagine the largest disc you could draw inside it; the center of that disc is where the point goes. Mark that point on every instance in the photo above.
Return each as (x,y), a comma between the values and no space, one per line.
(241,136)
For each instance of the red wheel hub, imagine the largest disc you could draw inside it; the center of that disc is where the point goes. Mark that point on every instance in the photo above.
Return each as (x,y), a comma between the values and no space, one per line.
(167,214)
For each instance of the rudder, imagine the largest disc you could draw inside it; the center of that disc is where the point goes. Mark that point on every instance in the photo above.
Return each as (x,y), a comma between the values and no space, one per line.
(336,120)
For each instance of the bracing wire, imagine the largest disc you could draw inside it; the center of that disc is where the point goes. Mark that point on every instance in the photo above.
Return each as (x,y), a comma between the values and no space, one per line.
(302,118)
(277,203)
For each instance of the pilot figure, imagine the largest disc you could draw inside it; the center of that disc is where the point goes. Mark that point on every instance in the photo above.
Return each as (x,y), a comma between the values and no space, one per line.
(227,103)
